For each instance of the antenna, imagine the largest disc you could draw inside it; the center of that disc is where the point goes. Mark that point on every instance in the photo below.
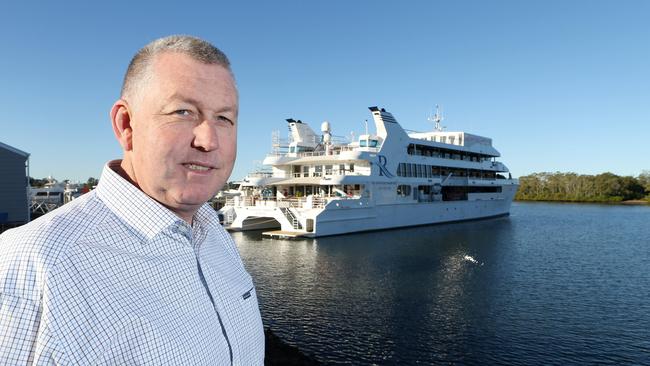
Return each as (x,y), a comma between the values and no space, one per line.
(275,142)
(436,119)
(366,123)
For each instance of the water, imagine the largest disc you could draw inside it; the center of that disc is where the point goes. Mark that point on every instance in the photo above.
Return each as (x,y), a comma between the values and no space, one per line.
(550,284)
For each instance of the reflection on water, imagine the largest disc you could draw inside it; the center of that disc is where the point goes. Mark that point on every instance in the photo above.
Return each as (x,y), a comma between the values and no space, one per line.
(514,290)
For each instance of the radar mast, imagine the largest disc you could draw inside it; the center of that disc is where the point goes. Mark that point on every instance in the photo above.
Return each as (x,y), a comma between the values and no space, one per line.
(436,119)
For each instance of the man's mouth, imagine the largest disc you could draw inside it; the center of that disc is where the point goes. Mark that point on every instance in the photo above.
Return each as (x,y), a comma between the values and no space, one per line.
(197,167)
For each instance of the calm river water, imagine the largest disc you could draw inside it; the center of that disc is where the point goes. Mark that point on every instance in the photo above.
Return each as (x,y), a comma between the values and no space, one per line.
(550,284)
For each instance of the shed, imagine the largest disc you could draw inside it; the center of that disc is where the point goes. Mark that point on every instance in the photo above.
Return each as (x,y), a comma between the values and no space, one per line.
(14,185)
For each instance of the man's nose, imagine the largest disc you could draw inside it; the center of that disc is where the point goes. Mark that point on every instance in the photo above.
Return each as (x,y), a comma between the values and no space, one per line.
(205,137)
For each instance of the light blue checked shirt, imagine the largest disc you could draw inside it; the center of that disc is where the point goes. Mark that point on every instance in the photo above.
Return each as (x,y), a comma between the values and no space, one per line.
(115,278)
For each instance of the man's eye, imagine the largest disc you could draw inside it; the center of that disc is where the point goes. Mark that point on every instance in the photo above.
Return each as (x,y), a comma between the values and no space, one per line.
(225,119)
(182,112)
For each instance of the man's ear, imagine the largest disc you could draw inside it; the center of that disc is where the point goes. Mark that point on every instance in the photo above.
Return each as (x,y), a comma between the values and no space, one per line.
(121,120)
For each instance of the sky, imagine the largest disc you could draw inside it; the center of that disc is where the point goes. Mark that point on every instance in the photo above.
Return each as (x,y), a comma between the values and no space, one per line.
(557,85)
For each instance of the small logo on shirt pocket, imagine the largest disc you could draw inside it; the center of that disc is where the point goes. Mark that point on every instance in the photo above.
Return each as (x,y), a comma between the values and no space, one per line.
(247,294)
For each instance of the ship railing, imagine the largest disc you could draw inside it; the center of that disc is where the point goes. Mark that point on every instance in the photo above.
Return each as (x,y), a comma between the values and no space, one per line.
(318,202)
(260,174)
(303,202)
(312,201)
(334,151)
(328,172)
(317,153)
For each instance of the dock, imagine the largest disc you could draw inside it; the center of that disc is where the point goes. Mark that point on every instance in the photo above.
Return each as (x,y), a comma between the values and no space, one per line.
(281,234)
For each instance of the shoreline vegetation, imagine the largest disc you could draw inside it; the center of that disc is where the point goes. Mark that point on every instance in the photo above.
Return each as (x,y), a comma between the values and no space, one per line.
(572,187)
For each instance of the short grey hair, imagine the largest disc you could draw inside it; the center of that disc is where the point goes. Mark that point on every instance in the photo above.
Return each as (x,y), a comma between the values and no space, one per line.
(196,48)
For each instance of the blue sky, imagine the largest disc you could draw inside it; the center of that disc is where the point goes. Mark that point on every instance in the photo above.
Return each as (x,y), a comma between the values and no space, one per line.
(558,85)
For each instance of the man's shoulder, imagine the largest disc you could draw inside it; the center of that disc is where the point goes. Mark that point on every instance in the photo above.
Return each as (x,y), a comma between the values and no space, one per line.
(28,253)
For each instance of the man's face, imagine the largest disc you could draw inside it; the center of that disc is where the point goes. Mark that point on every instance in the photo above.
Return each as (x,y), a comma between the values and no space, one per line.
(184,128)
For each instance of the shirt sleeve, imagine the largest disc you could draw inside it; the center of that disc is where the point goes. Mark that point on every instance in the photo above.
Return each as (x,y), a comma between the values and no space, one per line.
(19,323)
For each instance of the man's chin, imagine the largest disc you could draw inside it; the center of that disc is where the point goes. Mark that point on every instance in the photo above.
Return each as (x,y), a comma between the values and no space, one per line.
(194,199)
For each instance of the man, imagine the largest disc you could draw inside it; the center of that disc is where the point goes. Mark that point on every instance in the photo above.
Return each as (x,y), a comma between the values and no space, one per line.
(139,271)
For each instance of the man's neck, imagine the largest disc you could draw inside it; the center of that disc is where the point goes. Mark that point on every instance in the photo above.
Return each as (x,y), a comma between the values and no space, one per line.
(118,166)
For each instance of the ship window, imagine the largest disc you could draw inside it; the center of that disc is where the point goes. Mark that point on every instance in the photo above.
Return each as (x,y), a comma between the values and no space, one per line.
(305,171)
(292,149)
(328,170)
(318,170)
(403,190)
(367,143)
(419,171)
(342,169)
(352,167)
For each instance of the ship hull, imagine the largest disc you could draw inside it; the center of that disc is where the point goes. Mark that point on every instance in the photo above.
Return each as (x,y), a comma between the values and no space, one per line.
(356,215)
(381,217)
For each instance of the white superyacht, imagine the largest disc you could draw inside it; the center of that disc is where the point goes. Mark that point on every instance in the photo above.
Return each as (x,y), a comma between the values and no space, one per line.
(319,186)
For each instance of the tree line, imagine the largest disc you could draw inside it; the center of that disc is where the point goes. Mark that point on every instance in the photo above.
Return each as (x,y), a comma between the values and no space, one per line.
(605,187)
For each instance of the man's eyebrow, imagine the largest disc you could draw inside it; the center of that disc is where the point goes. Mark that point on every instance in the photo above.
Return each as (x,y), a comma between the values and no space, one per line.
(186,99)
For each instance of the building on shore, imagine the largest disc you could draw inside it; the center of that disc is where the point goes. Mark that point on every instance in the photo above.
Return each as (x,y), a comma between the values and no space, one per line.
(14,185)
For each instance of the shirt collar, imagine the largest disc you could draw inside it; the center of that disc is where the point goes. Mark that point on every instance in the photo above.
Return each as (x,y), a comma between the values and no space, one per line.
(137,209)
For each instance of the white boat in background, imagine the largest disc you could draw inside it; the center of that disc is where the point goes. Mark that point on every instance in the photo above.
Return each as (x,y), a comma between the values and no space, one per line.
(53,194)
(316,185)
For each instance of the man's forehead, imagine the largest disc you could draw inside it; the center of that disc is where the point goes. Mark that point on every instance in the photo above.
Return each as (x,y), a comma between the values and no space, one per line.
(177,63)
(179,77)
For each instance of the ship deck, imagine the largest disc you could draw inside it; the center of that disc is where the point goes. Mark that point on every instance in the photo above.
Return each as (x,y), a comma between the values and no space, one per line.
(282,234)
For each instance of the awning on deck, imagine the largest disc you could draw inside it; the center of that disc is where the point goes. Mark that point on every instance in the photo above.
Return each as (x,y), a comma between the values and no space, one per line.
(301,181)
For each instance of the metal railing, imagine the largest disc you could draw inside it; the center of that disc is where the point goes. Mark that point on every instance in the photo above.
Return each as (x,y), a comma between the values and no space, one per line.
(260,174)
(294,202)
(334,151)
(328,172)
